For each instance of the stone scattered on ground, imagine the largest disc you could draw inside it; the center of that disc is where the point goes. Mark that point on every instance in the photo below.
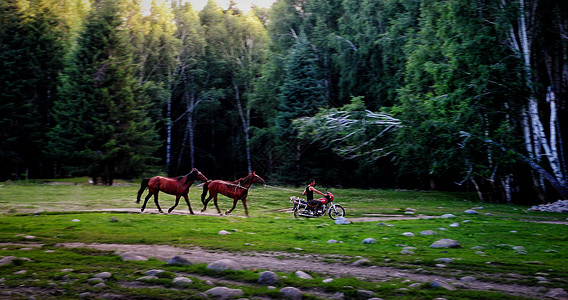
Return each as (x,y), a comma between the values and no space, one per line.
(223,293)
(291,293)
(471,212)
(446,243)
(369,241)
(182,281)
(362,262)
(224,232)
(178,260)
(560,206)
(428,232)
(446,216)
(268,278)
(224,264)
(303,275)
(132,257)
(342,221)
(440,284)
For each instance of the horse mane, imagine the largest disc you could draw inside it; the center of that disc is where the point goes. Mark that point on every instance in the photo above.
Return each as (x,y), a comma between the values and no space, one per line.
(188,176)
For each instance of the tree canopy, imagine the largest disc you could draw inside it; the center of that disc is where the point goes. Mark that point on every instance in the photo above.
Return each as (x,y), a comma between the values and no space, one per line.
(455,95)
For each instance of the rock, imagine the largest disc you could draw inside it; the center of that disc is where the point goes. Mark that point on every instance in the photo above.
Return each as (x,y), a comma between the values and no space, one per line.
(103,275)
(454,225)
(337,296)
(224,264)
(342,221)
(303,275)
(446,216)
(114,219)
(224,232)
(415,285)
(446,243)
(328,280)
(444,260)
(85,295)
(182,281)
(100,285)
(95,280)
(154,272)
(468,279)
(75,220)
(291,293)
(560,206)
(146,278)
(178,260)
(132,257)
(407,252)
(439,284)
(332,242)
(471,212)
(364,294)
(223,293)
(268,278)
(362,262)
(557,293)
(369,241)
(409,234)
(428,232)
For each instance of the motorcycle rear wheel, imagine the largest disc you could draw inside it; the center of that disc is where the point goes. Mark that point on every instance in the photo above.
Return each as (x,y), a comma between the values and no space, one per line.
(339,211)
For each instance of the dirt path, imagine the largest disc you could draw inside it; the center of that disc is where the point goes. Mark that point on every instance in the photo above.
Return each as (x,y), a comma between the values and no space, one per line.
(331,265)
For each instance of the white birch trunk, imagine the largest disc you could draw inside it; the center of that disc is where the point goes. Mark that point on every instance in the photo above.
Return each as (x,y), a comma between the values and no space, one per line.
(538,145)
(244,115)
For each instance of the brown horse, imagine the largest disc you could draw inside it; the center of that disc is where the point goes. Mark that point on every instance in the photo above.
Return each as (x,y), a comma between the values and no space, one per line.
(174,186)
(237,190)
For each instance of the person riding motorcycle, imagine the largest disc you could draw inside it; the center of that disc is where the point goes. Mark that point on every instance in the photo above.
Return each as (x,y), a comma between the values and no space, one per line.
(309,193)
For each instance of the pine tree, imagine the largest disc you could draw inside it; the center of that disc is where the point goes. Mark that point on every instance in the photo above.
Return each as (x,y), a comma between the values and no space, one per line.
(31,51)
(102,125)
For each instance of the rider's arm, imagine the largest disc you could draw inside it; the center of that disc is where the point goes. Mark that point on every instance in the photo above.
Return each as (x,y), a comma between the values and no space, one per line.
(313,189)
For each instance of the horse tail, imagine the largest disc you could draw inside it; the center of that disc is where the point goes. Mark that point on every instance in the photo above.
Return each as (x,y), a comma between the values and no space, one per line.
(143,186)
(205,189)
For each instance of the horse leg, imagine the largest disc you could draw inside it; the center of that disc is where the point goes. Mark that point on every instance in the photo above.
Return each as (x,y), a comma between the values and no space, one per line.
(245,205)
(188,205)
(175,204)
(156,201)
(146,201)
(234,205)
(217,204)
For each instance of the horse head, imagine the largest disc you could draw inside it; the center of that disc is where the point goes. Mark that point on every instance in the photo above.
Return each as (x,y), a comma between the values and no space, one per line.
(199,175)
(257,179)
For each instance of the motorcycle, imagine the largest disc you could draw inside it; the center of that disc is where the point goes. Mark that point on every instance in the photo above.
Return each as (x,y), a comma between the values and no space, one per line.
(326,206)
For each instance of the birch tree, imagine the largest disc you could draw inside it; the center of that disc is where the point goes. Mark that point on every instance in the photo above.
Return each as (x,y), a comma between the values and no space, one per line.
(543,142)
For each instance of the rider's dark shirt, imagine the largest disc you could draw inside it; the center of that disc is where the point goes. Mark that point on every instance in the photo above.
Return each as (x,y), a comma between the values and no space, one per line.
(309,194)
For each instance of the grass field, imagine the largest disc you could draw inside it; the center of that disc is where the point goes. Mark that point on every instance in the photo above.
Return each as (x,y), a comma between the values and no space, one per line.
(499,241)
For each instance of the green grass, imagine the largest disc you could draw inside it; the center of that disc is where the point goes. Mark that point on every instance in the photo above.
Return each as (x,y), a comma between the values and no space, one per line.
(47,211)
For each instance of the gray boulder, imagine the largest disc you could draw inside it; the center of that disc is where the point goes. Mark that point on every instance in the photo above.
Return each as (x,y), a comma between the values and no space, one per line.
(182,281)
(178,260)
(268,278)
(291,293)
(369,241)
(446,243)
(342,221)
(303,275)
(439,284)
(223,293)
(224,264)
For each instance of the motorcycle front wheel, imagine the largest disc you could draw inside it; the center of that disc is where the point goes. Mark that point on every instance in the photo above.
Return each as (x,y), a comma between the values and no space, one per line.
(336,211)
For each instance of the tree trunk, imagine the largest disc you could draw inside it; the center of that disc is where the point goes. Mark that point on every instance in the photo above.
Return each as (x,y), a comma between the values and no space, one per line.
(244,115)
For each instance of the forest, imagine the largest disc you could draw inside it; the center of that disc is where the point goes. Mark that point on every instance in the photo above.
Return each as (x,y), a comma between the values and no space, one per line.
(457,95)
